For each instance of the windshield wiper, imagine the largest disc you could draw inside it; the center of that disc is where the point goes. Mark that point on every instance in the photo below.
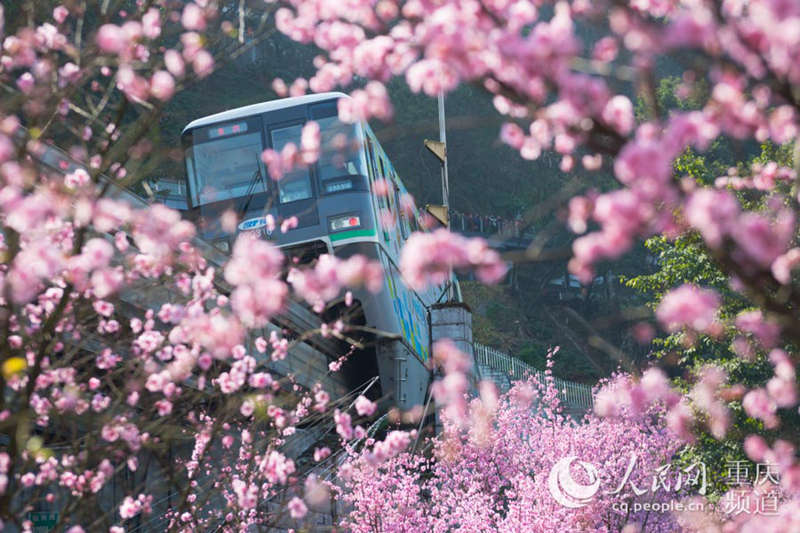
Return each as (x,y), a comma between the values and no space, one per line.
(257,176)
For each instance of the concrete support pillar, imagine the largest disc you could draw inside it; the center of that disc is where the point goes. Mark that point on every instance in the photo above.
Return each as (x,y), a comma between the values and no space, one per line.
(453,320)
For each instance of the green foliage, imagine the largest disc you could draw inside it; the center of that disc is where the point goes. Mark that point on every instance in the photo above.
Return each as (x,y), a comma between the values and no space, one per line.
(686,259)
(682,260)
(672,93)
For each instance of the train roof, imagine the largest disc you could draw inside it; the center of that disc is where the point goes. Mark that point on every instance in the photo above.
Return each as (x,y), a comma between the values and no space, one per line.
(263,107)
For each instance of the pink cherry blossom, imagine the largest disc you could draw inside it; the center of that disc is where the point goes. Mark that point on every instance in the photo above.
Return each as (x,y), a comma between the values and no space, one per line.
(151,24)
(174,63)
(712,213)
(428,257)
(297,508)
(343,425)
(758,404)
(320,454)
(111,38)
(761,240)
(364,407)
(193,18)
(185,340)
(60,14)
(688,306)
(310,142)
(203,63)
(618,113)
(605,49)
(162,85)
(784,264)
(754,322)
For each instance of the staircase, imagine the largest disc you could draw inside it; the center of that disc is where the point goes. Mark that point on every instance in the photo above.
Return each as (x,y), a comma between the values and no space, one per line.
(500,378)
(504,369)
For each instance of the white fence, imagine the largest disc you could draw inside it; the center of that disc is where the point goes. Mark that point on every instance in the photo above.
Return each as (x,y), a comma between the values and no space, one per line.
(572,394)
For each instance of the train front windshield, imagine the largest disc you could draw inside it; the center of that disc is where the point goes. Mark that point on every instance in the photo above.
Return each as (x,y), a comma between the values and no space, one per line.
(223,161)
(296,183)
(222,168)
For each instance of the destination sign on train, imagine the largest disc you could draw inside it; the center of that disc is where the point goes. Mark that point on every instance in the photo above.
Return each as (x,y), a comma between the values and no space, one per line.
(230,129)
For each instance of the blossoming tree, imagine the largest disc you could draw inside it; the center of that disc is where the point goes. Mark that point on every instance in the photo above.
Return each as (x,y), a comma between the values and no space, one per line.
(95,387)
(490,467)
(566,92)
(135,389)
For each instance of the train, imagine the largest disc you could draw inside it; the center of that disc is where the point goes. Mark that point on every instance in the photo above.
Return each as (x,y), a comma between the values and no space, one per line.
(341,204)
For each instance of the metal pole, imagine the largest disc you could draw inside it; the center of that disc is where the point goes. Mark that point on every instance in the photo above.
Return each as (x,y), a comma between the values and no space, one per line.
(443,140)
(445,183)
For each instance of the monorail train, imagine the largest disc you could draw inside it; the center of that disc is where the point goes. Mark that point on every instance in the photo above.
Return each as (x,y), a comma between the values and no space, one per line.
(337,210)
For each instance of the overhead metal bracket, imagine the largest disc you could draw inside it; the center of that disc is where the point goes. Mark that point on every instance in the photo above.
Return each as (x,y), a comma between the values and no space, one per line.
(437,148)
(440,213)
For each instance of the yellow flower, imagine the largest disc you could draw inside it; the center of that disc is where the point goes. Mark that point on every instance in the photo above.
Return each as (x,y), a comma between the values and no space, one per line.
(13,366)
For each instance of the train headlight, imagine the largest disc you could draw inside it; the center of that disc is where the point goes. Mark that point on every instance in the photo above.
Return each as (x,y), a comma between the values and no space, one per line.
(344,222)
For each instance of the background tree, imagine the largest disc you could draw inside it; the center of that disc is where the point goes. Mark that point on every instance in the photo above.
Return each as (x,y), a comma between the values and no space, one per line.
(567,93)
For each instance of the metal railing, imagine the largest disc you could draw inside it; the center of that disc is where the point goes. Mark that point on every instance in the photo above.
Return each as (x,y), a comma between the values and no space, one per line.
(570,393)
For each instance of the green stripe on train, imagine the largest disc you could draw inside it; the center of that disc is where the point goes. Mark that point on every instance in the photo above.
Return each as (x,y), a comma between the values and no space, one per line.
(352,234)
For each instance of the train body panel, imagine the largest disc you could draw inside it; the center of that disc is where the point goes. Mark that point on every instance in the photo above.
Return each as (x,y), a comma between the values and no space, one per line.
(339,204)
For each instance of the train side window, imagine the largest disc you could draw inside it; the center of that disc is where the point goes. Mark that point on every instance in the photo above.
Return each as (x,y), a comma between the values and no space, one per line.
(405,203)
(412,217)
(371,154)
(386,176)
(403,222)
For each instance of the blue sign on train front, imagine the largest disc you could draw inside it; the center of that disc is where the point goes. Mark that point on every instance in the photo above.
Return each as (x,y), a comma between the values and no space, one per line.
(252,223)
